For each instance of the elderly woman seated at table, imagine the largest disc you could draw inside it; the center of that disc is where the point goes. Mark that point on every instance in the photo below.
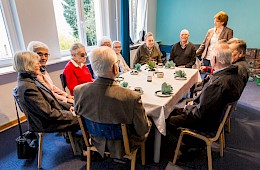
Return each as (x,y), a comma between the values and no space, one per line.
(45,112)
(43,51)
(76,72)
(123,67)
(105,41)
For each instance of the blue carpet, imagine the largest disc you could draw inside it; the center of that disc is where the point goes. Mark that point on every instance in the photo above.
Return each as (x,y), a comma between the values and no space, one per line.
(242,146)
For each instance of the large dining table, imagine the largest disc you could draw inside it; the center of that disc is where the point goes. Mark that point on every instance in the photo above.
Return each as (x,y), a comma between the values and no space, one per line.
(159,107)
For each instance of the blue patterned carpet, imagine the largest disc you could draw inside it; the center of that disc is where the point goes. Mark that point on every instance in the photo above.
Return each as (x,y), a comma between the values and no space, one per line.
(242,146)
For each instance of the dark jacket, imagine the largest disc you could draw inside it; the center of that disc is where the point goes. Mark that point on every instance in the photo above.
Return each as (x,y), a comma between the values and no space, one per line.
(143,55)
(222,88)
(242,69)
(45,112)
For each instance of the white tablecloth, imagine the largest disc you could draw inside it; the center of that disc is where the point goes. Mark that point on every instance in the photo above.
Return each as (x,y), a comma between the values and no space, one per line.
(159,108)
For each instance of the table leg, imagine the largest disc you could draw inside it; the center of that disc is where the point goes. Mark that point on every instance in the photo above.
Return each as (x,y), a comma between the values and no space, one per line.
(157,145)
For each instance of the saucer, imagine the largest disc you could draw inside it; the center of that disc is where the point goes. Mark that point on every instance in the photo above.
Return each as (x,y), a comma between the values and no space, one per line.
(118,79)
(141,92)
(169,67)
(180,78)
(134,73)
(160,94)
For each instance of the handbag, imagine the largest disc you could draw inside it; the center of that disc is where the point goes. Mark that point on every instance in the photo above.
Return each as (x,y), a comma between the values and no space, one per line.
(27,143)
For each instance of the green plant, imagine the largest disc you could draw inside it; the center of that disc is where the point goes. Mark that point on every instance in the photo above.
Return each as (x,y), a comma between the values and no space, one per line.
(180,73)
(151,65)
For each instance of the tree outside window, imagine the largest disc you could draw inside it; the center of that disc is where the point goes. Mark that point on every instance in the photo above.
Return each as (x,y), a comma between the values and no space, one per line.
(67,22)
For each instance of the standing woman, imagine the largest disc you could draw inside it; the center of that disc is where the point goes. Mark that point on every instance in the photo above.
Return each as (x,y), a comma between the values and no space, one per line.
(219,32)
(76,72)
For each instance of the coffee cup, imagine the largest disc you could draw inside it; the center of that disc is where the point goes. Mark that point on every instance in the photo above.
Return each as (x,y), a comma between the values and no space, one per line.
(160,74)
(138,89)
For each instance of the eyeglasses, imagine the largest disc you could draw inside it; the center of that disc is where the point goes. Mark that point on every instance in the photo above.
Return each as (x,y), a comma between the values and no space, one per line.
(41,54)
(83,55)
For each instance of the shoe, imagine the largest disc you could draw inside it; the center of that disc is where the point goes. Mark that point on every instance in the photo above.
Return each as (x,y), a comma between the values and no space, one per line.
(95,156)
(189,154)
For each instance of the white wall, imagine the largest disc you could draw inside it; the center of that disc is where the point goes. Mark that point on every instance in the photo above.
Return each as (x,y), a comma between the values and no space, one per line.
(151,16)
(37,21)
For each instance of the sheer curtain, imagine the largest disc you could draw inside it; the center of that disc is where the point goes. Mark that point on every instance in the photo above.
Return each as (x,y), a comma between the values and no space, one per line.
(106,15)
(137,18)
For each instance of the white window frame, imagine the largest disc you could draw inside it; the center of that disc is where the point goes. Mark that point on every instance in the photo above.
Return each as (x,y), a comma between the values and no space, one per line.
(81,26)
(7,9)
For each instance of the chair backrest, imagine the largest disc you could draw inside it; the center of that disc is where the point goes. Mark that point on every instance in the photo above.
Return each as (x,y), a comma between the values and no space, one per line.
(63,81)
(91,71)
(223,120)
(102,130)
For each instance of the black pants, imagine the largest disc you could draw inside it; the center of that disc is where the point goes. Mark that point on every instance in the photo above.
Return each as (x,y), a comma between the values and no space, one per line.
(178,119)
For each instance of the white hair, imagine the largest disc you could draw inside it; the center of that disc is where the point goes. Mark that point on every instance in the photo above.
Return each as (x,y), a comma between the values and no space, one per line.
(103,40)
(223,54)
(148,34)
(25,61)
(36,45)
(186,31)
(102,60)
(116,42)
(74,49)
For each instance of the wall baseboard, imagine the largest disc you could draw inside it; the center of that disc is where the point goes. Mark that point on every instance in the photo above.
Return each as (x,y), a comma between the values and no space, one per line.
(12,124)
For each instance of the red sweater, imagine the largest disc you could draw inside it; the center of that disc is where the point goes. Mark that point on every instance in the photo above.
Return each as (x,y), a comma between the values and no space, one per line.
(76,76)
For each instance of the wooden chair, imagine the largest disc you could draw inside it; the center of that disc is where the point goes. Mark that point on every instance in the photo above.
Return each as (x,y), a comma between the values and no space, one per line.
(130,153)
(40,134)
(228,122)
(209,140)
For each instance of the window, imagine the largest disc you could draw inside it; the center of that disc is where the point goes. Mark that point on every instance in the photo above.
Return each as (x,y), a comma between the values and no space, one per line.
(75,21)
(5,48)
(137,19)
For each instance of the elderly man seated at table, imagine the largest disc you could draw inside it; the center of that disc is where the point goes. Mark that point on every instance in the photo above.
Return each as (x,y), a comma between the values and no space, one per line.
(43,51)
(148,51)
(45,112)
(183,52)
(106,102)
(223,87)
(238,48)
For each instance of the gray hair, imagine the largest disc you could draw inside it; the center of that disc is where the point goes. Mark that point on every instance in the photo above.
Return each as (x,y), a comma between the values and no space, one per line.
(36,45)
(74,49)
(116,42)
(223,54)
(25,61)
(185,30)
(148,34)
(240,44)
(103,40)
(102,60)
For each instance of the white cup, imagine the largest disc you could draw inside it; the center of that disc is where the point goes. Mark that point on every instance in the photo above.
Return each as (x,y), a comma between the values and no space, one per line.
(138,89)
